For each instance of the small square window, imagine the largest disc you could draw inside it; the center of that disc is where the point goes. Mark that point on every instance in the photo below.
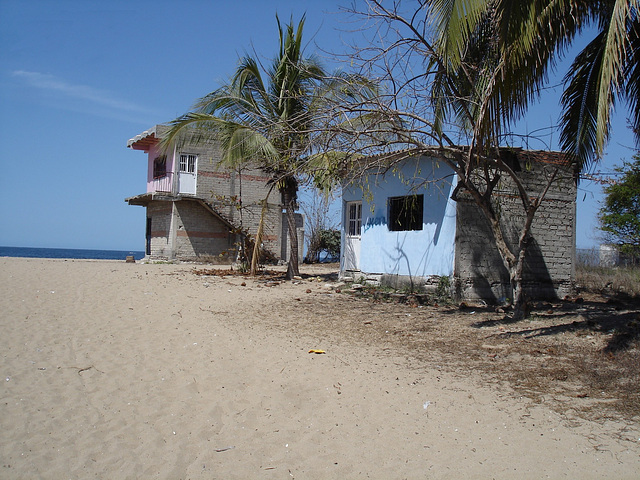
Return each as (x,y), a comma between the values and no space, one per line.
(405,213)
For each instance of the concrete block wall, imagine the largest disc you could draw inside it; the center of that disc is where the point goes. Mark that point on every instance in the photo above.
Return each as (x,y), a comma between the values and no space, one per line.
(286,247)
(549,269)
(271,239)
(219,188)
(222,187)
(160,214)
(200,235)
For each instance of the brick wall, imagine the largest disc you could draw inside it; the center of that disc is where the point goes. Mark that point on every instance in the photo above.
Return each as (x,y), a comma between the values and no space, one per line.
(160,215)
(549,270)
(222,188)
(200,235)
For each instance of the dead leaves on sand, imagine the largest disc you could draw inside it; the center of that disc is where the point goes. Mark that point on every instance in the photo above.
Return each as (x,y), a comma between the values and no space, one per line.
(230,272)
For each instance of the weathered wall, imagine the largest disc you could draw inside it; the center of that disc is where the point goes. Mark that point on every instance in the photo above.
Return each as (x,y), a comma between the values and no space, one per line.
(196,234)
(418,253)
(200,235)
(223,189)
(160,214)
(549,269)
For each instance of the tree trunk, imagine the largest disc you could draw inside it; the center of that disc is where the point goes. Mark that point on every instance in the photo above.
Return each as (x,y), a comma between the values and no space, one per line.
(519,303)
(289,194)
(255,256)
(520,309)
(513,262)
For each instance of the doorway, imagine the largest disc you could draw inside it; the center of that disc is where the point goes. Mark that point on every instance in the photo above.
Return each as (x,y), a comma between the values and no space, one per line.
(147,248)
(352,236)
(188,174)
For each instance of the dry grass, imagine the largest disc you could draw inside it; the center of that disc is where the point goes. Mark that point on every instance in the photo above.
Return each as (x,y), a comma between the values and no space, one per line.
(609,280)
(580,356)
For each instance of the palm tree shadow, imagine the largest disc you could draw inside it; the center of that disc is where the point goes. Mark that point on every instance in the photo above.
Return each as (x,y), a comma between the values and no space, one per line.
(620,319)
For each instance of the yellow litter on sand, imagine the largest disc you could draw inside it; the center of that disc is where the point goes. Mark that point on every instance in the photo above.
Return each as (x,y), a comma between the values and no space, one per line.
(313,350)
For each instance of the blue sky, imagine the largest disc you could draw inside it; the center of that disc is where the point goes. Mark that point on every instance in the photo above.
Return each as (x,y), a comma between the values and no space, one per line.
(79,78)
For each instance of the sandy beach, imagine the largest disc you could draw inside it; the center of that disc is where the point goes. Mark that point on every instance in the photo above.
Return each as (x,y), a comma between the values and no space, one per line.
(115,370)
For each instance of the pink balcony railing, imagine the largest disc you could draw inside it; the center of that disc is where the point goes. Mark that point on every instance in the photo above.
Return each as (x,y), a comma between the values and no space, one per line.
(161,184)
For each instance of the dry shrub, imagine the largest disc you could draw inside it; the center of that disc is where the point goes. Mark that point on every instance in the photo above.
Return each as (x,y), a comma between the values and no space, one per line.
(609,280)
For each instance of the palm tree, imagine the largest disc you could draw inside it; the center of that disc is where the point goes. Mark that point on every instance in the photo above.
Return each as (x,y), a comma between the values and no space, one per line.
(266,120)
(492,58)
(519,41)
(482,63)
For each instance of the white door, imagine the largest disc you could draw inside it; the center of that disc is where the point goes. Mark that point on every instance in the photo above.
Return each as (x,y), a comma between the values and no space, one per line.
(188,174)
(352,236)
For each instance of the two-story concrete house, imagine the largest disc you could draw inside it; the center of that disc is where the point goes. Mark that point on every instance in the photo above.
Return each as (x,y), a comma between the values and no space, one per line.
(197,210)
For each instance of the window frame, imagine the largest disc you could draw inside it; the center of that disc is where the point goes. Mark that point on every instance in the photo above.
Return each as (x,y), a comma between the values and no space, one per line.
(354,222)
(190,162)
(405,213)
(160,160)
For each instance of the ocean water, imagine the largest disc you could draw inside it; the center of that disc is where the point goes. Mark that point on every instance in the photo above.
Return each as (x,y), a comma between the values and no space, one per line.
(68,253)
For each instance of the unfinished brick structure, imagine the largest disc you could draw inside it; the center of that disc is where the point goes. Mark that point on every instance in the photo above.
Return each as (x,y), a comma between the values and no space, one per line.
(549,267)
(197,210)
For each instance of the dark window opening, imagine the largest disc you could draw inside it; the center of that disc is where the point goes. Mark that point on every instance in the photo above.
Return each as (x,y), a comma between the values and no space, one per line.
(147,249)
(511,159)
(160,167)
(405,213)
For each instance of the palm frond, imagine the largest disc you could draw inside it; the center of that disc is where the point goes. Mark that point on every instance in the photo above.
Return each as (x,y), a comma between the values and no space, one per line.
(580,103)
(632,74)
(455,20)
(614,53)
(241,145)
(271,120)
(192,127)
